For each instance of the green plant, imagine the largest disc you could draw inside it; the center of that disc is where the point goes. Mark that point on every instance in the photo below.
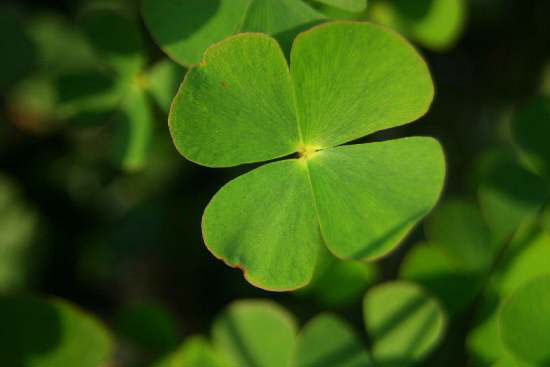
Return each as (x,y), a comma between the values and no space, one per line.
(346,80)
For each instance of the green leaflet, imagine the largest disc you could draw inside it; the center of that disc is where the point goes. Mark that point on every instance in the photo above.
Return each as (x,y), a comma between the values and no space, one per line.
(162,81)
(195,351)
(250,227)
(363,208)
(435,24)
(524,321)
(185,29)
(52,332)
(403,321)
(249,101)
(340,346)
(242,104)
(255,334)
(375,82)
(133,129)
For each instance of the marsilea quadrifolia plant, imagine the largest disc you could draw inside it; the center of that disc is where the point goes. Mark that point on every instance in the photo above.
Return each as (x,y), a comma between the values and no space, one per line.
(243,103)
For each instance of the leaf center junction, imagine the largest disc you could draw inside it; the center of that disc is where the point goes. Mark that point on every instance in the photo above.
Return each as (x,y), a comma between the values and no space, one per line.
(307,151)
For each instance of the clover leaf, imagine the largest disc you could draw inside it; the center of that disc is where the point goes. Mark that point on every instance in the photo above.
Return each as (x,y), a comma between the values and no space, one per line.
(243,104)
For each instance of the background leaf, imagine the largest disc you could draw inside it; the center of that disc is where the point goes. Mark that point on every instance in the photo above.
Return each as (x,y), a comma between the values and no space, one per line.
(525,322)
(340,283)
(185,30)
(51,332)
(133,130)
(195,351)
(341,348)
(435,24)
(162,81)
(255,334)
(403,322)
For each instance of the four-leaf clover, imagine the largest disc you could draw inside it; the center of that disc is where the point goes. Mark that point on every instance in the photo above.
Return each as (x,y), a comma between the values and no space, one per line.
(243,103)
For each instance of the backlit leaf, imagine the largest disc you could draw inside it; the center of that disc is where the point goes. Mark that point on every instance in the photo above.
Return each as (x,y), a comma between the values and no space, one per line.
(403,322)
(340,346)
(255,334)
